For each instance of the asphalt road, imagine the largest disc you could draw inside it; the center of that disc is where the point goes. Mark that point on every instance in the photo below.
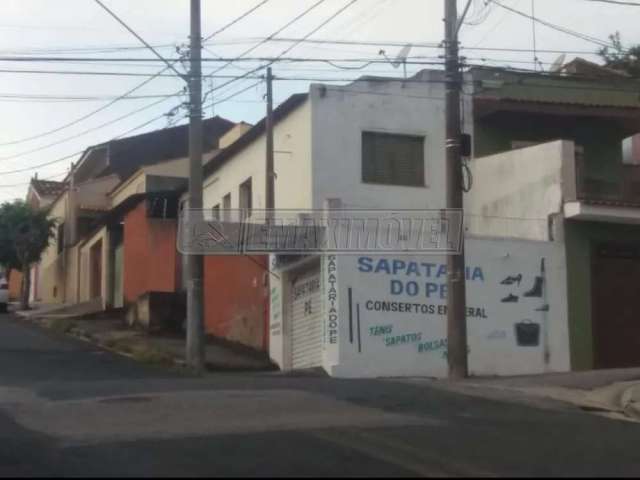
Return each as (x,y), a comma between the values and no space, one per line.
(69,409)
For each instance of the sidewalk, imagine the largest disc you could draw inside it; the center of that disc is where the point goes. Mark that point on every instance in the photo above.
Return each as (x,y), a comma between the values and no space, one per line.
(613,393)
(630,401)
(112,333)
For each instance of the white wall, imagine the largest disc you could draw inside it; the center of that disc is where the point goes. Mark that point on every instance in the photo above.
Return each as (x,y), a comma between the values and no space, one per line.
(292,147)
(376,343)
(513,193)
(276,313)
(339,116)
(420,348)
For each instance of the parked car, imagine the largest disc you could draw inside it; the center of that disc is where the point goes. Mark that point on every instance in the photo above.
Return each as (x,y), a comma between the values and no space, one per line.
(4,295)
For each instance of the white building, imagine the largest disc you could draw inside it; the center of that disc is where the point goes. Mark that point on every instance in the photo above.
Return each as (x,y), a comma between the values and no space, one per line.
(379,144)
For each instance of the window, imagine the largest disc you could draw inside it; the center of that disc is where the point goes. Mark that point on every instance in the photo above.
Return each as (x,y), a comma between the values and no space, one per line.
(226,206)
(60,237)
(392,159)
(245,197)
(160,206)
(216,212)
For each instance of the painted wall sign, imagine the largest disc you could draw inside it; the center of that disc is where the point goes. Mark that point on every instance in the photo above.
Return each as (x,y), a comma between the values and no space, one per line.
(402,306)
(332,298)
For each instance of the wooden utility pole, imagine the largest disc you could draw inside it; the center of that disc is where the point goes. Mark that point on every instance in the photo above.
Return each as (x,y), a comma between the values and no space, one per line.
(456,298)
(270,174)
(195,297)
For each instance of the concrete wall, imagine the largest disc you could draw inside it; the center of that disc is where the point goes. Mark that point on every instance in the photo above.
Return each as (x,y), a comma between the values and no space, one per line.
(52,265)
(513,193)
(276,340)
(236,300)
(236,296)
(72,274)
(233,134)
(600,137)
(292,145)
(150,255)
(94,193)
(341,114)
(394,321)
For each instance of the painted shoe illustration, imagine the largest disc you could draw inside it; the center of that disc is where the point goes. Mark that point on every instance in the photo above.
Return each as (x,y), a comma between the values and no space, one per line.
(543,308)
(511,298)
(510,280)
(536,290)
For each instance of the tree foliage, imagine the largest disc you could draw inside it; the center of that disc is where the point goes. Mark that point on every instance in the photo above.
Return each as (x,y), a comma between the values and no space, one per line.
(620,58)
(25,234)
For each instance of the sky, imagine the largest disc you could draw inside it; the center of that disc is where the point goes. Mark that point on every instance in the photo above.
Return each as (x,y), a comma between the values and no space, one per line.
(37,108)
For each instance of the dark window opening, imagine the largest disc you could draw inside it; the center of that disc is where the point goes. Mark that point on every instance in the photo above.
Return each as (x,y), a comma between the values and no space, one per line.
(392,159)
(226,206)
(60,237)
(245,197)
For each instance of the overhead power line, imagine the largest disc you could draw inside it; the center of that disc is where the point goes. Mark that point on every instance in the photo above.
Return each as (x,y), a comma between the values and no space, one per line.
(320,41)
(24,184)
(400,44)
(85,132)
(617,2)
(287,50)
(124,134)
(135,34)
(232,23)
(241,58)
(124,95)
(73,98)
(553,26)
(260,43)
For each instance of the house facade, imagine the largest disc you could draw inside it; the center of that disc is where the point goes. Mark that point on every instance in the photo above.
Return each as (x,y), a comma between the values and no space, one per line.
(557,160)
(379,144)
(116,235)
(40,195)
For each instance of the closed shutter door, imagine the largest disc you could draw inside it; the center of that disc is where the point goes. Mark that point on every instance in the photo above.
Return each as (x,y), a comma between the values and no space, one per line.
(306,315)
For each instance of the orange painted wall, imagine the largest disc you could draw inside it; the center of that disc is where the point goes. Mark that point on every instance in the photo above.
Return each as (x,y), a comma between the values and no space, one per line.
(15,284)
(236,306)
(150,255)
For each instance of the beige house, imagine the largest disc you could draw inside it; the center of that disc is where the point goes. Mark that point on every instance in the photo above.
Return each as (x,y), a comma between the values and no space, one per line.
(84,262)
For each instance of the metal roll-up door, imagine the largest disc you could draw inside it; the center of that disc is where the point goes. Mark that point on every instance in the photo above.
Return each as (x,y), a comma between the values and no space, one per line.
(306,320)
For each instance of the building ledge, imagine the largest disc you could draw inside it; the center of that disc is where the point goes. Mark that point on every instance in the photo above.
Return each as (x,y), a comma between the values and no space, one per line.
(601,213)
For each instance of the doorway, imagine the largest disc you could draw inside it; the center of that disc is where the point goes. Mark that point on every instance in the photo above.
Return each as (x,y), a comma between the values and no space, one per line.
(95,260)
(616,305)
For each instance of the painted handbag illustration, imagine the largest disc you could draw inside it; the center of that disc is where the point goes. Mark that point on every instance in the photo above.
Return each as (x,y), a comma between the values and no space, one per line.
(527,333)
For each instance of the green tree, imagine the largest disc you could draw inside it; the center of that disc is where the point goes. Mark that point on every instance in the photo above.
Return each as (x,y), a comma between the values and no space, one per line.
(620,58)
(25,234)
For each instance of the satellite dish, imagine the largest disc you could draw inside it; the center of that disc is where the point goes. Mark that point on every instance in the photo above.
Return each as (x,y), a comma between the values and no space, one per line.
(557,65)
(401,58)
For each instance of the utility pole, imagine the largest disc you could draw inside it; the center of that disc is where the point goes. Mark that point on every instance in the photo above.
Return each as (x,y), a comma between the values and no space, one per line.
(270,174)
(456,299)
(195,297)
